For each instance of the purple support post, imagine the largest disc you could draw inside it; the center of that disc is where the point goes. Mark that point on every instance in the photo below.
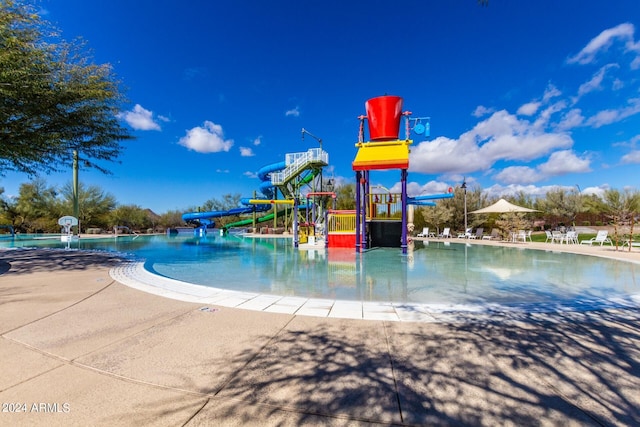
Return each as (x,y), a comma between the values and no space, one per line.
(358,179)
(295,222)
(365,208)
(403,178)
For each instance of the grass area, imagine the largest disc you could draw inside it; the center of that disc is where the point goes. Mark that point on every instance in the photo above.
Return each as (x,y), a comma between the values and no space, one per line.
(542,237)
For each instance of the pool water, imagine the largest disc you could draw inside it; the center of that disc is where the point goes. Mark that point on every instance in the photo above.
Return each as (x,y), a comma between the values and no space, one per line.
(433,273)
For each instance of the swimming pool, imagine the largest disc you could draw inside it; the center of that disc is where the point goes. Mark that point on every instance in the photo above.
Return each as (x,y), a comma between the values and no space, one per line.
(432,273)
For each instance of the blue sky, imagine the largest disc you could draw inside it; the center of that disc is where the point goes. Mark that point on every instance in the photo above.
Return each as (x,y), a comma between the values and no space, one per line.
(522,95)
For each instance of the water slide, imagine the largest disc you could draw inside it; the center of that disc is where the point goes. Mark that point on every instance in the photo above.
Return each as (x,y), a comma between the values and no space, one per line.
(426,200)
(207,217)
(296,165)
(266,188)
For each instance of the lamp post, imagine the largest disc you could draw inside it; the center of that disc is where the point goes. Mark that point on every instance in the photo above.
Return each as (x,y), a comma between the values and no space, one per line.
(464,187)
(320,143)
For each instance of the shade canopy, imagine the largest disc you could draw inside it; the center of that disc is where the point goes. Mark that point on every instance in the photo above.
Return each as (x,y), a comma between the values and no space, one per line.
(502,206)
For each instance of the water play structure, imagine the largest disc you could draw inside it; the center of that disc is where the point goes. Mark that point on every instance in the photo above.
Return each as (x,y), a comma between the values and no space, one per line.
(282,185)
(379,219)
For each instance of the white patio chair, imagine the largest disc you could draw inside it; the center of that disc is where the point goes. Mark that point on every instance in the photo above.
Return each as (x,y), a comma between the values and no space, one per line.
(446,233)
(478,235)
(495,235)
(557,236)
(571,238)
(521,235)
(466,234)
(601,237)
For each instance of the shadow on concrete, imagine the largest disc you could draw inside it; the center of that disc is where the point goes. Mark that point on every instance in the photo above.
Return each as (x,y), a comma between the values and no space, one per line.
(579,369)
(24,261)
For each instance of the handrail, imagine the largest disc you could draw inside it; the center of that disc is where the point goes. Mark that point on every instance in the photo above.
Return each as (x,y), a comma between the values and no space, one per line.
(124,227)
(297,162)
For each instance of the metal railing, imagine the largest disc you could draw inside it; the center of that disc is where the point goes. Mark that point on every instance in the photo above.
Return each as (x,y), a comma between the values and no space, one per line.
(298,162)
(385,207)
(342,223)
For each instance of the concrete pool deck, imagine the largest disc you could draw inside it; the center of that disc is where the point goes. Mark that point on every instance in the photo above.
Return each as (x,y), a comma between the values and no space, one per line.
(80,348)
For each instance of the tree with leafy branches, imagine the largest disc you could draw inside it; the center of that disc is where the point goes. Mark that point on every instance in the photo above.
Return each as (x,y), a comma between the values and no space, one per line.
(56,106)
(95,205)
(438,215)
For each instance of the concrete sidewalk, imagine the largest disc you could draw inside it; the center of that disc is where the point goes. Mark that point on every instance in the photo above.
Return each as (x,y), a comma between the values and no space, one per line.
(78,348)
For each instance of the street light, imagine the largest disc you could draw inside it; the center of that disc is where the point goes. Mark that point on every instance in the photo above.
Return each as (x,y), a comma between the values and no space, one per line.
(320,143)
(464,187)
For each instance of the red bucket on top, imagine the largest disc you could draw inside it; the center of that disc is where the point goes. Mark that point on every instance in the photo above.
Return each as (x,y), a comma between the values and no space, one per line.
(384,114)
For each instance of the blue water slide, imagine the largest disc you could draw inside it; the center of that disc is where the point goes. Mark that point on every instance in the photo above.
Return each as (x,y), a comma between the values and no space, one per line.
(426,200)
(266,188)
(206,218)
(264,174)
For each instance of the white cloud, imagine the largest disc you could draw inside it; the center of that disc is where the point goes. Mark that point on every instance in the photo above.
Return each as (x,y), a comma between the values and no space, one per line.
(602,42)
(206,139)
(415,189)
(596,81)
(140,118)
(559,163)
(250,174)
(598,191)
(571,119)
(481,110)
(529,109)
(246,152)
(258,140)
(564,162)
(631,157)
(550,92)
(502,136)
(518,175)
(295,112)
(498,190)
(606,117)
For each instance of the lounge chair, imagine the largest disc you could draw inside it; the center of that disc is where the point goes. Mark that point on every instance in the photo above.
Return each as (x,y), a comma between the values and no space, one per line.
(601,237)
(466,234)
(425,233)
(478,234)
(446,233)
(495,235)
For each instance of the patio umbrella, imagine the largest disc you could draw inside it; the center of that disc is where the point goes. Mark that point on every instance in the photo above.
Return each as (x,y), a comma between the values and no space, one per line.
(502,206)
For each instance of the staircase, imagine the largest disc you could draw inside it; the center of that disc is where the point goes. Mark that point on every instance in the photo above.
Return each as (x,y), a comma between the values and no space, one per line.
(297,163)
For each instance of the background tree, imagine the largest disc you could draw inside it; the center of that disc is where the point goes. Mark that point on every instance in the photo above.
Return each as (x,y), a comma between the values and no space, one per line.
(562,204)
(54,101)
(621,208)
(475,200)
(171,219)
(95,205)
(345,196)
(511,222)
(132,216)
(439,215)
(38,207)
(228,201)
